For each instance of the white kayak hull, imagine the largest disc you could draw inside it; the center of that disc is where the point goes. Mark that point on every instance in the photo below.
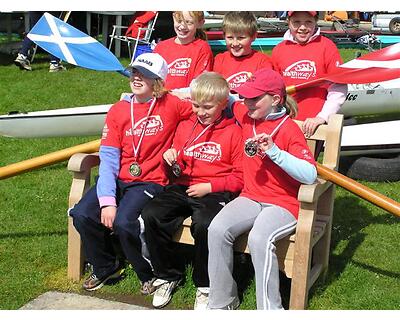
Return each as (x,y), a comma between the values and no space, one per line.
(371,138)
(79,121)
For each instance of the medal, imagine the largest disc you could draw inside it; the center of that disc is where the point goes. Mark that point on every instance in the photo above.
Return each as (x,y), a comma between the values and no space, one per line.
(250,148)
(135,170)
(176,169)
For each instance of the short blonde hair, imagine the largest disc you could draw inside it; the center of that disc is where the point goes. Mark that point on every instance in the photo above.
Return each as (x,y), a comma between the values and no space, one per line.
(240,22)
(198,16)
(209,86)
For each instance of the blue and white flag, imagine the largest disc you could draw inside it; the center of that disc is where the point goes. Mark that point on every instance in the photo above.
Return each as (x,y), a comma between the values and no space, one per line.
(69,44)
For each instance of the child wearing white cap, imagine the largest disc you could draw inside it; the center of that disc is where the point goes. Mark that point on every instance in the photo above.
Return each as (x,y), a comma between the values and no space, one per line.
(137,131)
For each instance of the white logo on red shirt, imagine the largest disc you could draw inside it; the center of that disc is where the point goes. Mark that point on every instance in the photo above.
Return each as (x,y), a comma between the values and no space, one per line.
(205,151)
(303,69)
(180,67)
(237,79)
(154,125)
(306,154)
(105,132)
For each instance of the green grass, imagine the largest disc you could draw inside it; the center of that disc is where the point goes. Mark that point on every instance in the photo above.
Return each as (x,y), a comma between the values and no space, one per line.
(364,268)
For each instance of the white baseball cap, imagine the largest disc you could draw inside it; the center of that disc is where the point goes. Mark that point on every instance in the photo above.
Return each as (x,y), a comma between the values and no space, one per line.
(151,65)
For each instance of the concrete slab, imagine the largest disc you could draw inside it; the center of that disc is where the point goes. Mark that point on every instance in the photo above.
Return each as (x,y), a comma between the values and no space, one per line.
(54,300)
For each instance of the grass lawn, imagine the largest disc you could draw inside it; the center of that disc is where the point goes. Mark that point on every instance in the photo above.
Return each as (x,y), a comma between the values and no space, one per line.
(364,270)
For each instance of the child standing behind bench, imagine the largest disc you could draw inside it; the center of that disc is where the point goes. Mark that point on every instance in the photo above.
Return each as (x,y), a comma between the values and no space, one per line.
(136,134)
(276,161)
(188,54)
(207,160)
(240,61)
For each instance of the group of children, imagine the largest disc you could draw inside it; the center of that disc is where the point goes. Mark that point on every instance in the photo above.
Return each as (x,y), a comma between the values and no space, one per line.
(163,159)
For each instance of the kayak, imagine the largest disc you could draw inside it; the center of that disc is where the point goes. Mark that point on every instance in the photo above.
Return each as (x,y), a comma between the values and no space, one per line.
(78,121)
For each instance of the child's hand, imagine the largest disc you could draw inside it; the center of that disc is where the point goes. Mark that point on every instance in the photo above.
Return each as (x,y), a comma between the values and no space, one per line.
(170,156)
(311,124)
(199,190)
(108,216)
(264,141)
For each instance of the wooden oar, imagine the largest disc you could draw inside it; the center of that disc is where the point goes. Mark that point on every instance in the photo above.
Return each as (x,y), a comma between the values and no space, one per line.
(360,190)
(47,159)
(93,146)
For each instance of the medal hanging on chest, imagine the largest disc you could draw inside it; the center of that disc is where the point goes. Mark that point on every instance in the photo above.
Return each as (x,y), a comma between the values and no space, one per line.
(134,169)
(177,167)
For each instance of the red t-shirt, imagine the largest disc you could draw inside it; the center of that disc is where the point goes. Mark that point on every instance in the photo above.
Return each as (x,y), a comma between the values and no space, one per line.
(161,125)
(237,70)
(265,181)
(215,157)
(301,63)
(185,61)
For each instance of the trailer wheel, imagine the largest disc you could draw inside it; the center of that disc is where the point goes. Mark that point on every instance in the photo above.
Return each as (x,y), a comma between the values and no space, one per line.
(394,25)
(378,168)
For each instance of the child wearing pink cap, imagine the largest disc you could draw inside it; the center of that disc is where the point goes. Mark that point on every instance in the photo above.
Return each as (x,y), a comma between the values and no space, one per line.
(302,56)
(276,162)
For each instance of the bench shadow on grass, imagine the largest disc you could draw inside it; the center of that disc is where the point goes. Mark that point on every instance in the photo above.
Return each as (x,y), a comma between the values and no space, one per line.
(351,216)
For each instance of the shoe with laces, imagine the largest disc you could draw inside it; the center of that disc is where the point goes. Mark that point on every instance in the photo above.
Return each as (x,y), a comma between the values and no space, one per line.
(163,293)
(201,301)
(147,288)
(56,67)
(22,62)
(93,282)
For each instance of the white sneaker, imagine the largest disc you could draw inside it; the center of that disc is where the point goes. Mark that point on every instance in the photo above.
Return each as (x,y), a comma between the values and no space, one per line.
(56,67)
(22,62)
(201,301)
(163,294)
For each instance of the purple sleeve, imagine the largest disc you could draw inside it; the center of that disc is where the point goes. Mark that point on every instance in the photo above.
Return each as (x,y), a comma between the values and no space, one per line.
(108,173)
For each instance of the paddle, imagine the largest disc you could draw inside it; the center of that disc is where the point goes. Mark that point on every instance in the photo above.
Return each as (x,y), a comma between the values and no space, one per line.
(380,65)
(72,45)
(93,146)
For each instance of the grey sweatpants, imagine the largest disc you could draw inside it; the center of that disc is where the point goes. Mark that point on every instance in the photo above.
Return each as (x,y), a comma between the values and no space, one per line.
(267,224)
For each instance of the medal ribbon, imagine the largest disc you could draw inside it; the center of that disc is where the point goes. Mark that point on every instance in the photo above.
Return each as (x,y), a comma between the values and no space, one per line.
(274,131)
(136,149)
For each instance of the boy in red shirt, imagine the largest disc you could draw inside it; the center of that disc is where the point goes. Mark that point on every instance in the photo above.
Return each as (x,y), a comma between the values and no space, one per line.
(188,54)
(206,158)
(302,56)
(240,61)
(276,161)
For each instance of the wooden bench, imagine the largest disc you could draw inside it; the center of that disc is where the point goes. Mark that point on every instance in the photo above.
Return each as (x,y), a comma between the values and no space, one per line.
(303,256)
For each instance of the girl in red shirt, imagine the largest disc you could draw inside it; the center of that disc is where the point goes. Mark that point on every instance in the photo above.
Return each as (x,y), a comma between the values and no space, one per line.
(276,161)
(188,54)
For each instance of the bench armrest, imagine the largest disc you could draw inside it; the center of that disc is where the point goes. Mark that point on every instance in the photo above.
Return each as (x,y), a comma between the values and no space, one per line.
(310,193)
(80,162)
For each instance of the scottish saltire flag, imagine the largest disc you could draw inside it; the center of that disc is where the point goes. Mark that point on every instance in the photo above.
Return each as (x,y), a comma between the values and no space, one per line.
(71,45)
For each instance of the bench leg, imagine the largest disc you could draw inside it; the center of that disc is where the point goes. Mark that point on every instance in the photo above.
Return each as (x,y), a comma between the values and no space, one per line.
(75,253)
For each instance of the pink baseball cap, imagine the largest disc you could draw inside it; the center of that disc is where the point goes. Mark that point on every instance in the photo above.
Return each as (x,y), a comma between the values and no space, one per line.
(263,81)
(312,13)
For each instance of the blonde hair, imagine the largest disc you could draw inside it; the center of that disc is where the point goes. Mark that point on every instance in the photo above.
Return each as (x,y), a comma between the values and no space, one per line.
(291,106)
(240,22)
(198,16)
(158,88)
(209,86)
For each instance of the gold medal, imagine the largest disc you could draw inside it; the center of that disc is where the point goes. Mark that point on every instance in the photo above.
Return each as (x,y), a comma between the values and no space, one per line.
(135,170)
(250,148)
